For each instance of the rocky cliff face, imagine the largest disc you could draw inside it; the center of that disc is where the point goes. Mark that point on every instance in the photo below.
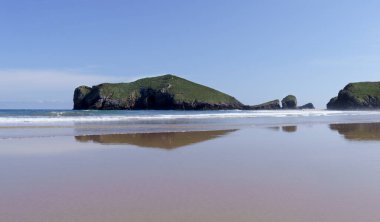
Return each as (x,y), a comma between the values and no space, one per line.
(159,93)
(80,94)
(289,102)
(354,96)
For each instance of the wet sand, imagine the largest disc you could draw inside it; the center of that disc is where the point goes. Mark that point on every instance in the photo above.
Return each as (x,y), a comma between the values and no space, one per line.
(295,173)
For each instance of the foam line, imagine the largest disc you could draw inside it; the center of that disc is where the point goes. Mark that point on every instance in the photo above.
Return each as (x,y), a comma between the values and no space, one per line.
(4,120)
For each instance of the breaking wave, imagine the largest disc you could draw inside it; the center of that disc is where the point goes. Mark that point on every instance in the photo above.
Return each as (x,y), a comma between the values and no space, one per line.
(9,118)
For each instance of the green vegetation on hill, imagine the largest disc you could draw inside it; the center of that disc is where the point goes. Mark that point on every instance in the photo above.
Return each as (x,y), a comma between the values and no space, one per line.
(364,89)
(183,90)
(162,92)
(361,95)
(167,92)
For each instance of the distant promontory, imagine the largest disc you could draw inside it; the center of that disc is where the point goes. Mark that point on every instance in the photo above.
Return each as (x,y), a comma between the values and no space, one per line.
(167,92)
(357,96)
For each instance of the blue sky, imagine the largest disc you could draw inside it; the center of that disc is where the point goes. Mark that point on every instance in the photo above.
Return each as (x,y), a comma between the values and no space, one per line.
(255,50)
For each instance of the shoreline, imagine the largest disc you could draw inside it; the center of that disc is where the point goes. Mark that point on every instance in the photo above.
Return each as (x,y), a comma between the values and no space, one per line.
(78,123)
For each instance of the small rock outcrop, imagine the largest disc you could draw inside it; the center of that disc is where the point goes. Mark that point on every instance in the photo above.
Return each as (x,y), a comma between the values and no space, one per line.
(289,102)
(271,105)
(307,106)
(357,96)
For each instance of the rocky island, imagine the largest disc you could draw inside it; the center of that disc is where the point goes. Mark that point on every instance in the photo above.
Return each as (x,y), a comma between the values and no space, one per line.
(289,102)
(357,96)
(167,92)
(160,93)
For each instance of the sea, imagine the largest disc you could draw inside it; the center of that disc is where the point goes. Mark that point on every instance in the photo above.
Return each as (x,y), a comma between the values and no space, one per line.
(29,123)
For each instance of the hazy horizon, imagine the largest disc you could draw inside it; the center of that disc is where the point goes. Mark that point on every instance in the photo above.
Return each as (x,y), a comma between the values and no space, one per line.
(255,51)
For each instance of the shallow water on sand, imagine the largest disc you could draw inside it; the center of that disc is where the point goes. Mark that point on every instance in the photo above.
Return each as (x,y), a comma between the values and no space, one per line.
(299,172)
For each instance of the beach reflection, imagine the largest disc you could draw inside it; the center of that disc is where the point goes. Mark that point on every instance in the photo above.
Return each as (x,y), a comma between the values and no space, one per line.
(252,174)
(289,129)
(358,131)
(165,140)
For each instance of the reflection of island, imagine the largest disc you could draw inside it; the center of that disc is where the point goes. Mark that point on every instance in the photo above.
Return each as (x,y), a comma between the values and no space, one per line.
(358,131)
(166,140)
(289,129)
(286,129)
(274,128)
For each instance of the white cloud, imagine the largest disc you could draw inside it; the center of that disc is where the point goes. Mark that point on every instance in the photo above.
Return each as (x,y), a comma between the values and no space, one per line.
(34,86)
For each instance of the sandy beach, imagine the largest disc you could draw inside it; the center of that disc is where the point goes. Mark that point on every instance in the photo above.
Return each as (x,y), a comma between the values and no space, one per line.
(300,172)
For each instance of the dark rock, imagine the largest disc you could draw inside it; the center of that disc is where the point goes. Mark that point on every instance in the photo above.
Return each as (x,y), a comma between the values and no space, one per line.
(307,106)
(80,94)
(354,96)
(289,102)
(271,105)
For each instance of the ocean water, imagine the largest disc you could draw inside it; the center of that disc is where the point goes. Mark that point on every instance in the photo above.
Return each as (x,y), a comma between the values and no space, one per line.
(13,117)
(34,123)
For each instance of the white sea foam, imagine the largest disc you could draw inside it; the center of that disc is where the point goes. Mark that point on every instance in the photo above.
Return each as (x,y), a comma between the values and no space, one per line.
(60,118)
